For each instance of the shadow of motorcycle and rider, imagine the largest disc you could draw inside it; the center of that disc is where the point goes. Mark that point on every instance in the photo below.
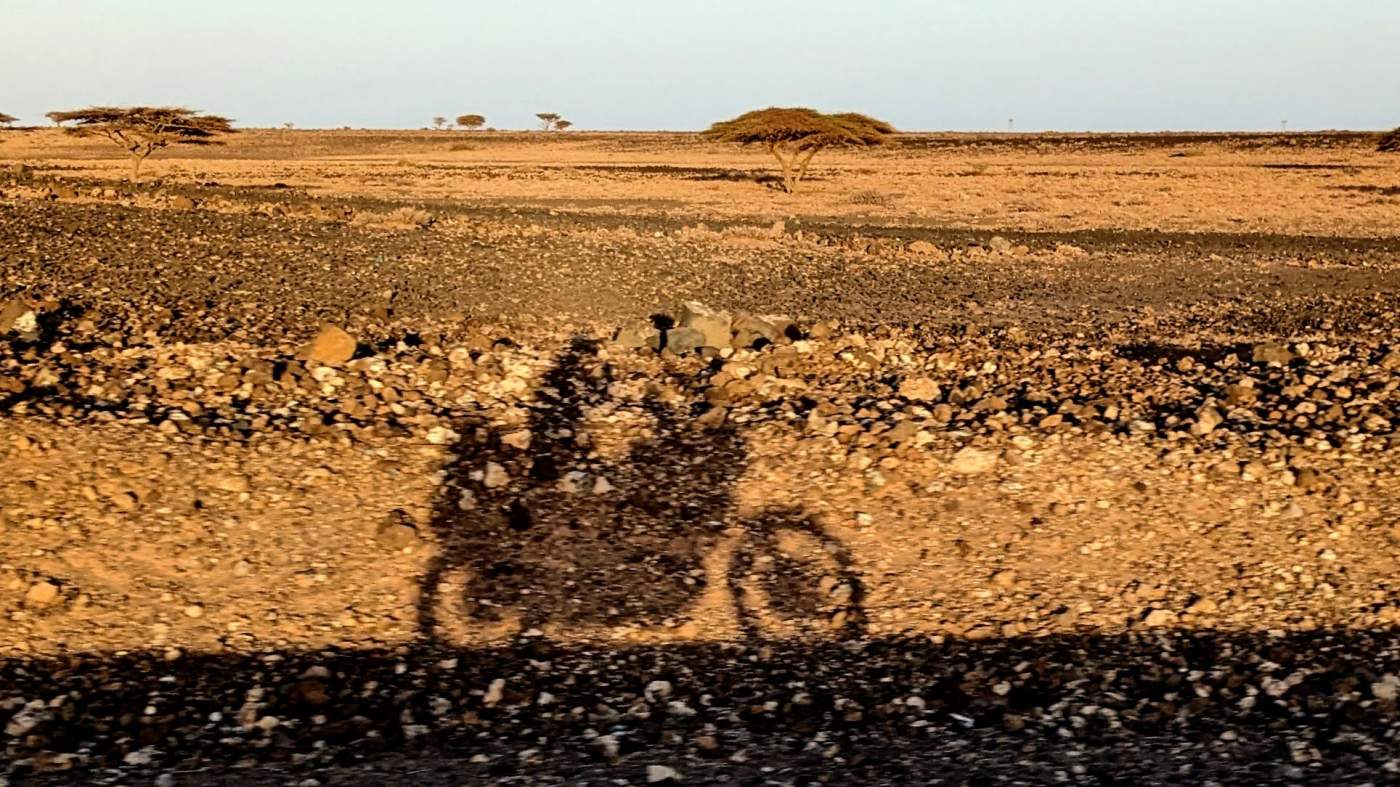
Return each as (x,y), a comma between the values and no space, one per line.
(539,529)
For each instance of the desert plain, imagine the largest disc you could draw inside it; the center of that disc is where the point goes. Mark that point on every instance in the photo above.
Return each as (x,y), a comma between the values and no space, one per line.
(372,457)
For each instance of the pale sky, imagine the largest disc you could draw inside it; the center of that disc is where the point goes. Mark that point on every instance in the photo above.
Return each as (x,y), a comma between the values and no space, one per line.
(1133,65)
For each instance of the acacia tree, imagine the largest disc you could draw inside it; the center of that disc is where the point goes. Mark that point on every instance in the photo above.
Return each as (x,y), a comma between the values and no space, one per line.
(548,120)
(1390,141)
(563,125)
(141,131)
(471,122)
(439,122)
(6,120)
(795,134)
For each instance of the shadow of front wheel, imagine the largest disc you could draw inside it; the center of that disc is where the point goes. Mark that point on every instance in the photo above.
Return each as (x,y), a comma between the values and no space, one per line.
(789,577)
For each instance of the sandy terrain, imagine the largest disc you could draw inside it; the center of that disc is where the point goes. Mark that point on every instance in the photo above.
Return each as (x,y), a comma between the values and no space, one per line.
(413,458)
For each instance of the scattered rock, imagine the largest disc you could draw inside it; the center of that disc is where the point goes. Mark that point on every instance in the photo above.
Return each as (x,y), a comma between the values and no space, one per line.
(715,327)
(1273,353)
(751,331)
(973,461)
(1158,618)
(1387,688)
(495,476)
(494,693)
(41,595)
(331,346)
(397,530)
(228,482)
(442,435)
(925,249)
(17,317)
(662,774)
(1207,419)
(684,340)
(920,389)
(640,334)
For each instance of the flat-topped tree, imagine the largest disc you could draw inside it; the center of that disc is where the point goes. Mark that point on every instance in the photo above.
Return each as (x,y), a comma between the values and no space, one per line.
(795,134)
(141,131)
(471,122)
(1390,142)
(6,120)
(548,119)
(439,122)
(563,125)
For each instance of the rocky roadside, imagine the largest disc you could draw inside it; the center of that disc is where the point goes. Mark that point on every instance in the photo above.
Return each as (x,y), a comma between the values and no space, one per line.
(1079,559)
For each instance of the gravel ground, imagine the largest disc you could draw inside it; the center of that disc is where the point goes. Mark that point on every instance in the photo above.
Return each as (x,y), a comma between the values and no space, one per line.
(297,490)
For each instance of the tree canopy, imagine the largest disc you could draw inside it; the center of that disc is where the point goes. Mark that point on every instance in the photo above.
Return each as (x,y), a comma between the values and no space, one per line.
(1390,142)
(549,120)
(6,120)
(795,134)
(471,121)
(141,131)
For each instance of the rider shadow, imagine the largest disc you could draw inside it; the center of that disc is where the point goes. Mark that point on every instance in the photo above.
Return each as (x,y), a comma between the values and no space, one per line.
(544,527)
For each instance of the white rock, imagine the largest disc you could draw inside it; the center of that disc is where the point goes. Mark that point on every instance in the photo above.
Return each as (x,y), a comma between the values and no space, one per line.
(441,435)
(1159,617)
(920,389)
(658,689)
(657,774)
(973,461)
(494,692)
(26,719)
(496,476)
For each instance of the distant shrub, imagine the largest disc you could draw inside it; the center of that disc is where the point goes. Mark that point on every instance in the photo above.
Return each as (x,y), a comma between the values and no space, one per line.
(975,170)
(471,122)
(400,218)
(1390,141)
(871,197)
(793,135)
(142,131)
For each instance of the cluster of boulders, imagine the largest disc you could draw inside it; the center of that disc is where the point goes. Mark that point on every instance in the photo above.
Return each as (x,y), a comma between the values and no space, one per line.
(707,331)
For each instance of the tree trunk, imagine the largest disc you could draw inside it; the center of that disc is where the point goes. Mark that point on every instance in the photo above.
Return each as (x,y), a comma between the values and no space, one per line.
(805,159)
(789,182)
(136,159)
